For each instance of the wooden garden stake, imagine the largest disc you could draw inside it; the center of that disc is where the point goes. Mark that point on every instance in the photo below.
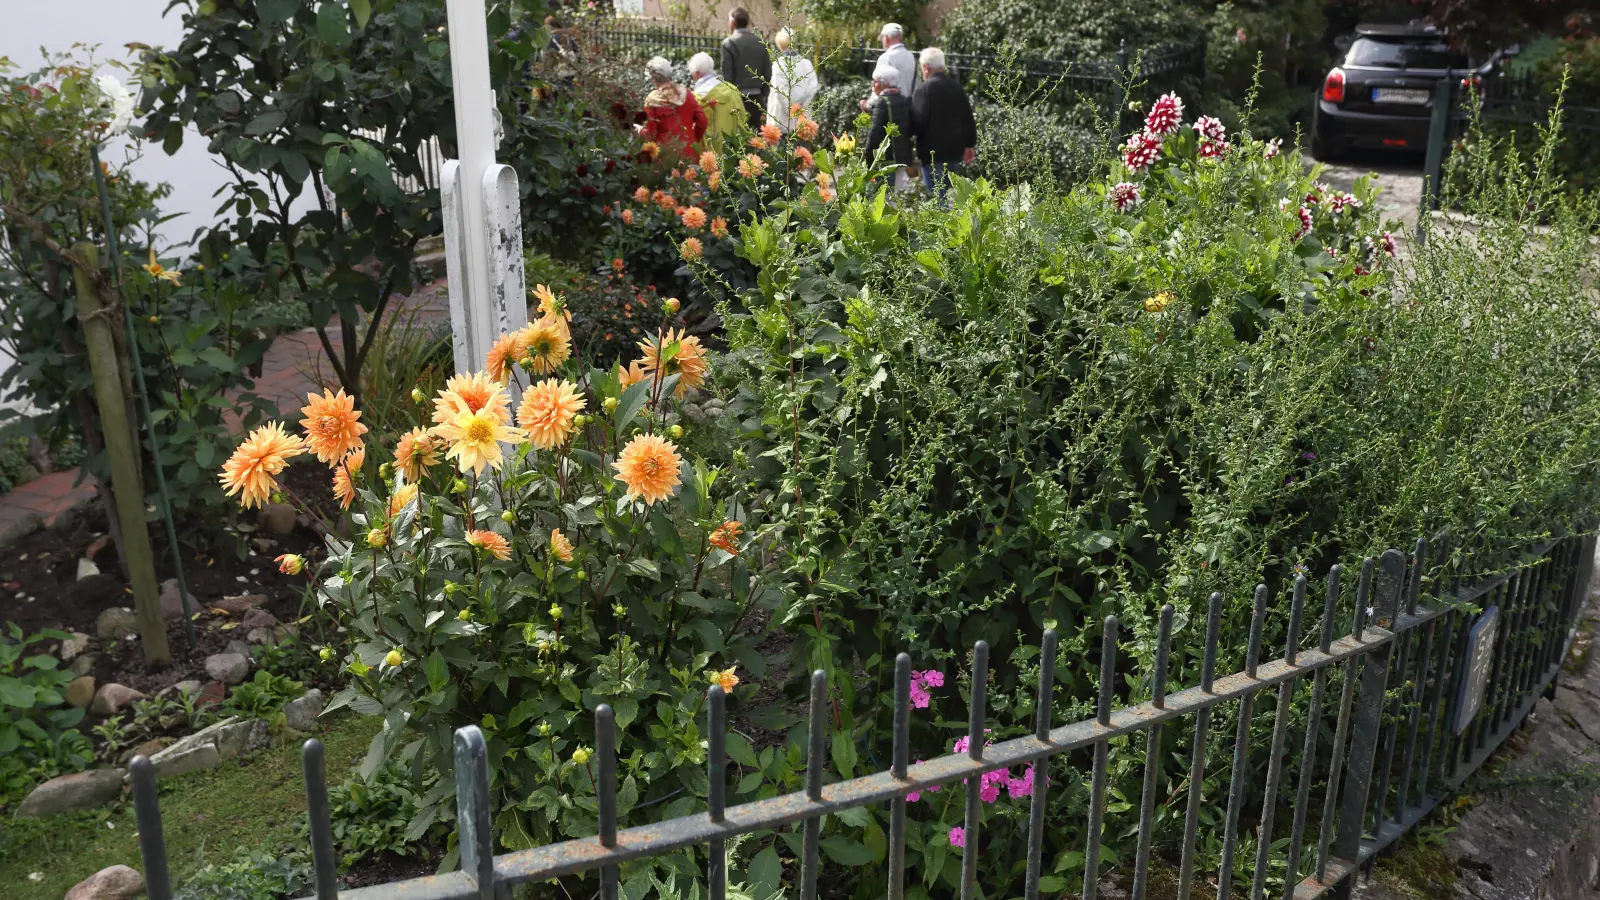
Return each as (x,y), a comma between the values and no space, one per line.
(127,486)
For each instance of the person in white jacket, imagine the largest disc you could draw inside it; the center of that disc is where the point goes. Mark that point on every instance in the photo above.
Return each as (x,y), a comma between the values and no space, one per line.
(794,82)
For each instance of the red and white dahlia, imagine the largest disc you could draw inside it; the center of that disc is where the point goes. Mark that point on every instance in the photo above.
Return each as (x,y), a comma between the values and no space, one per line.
(1210,128)
(1305,223)
(1274,147)
(1210,149)
(1166,116)
(1386,241)
(1141,151)
(1123,195)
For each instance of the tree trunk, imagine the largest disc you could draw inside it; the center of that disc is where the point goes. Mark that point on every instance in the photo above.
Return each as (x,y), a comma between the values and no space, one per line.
(97,317)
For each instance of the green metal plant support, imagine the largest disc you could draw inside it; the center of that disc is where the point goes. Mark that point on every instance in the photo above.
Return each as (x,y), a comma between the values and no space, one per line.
(115,259)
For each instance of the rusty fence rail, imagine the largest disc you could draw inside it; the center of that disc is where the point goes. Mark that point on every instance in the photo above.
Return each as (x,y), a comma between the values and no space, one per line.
(1431,682)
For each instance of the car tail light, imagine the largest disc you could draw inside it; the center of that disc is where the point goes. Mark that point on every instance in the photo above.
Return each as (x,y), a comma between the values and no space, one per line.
(1333,87)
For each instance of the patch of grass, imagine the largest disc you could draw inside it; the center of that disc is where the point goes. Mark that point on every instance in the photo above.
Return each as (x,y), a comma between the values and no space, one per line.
(250,802)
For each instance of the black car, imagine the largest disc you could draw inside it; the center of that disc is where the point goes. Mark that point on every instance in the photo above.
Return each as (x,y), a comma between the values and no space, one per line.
(1381,94)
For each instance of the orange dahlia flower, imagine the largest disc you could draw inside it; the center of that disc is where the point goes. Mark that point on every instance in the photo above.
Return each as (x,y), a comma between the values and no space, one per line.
(490,542)
(714,180)
(547,411)
(416,451)
(332,425)
(691,248)
(806,129)
(648,465)
(708,161)
(627,216)
(252,470)
(632,375)
(473,392)
(548,346)
(719,227)
(401,498)
(693,217)
(475,440)
(642,194)
(804,156)
(751,166)
(560,547)
(726,537)
(689,363)
(344,476)
(505,354)
(771,134)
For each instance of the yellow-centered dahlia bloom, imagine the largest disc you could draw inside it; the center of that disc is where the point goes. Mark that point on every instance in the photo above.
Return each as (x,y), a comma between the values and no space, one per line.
(332,425)
(253,468)
(416,451)
(648,465)
(548,346)
(344,476)
(689,363)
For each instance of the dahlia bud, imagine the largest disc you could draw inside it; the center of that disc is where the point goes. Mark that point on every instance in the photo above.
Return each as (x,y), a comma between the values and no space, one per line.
(508,517)
(544,729)
(377,537)
(325,654)
(450,587)
(580,420)
(291,563)
(672,306)
(417,396)
(393,658)
(618,610)
(675,432)
(739,458)
(581,756)
(155,320)
(582,575)
(465,615)
(610,404)
(459,487)
(555,611)
(386,471)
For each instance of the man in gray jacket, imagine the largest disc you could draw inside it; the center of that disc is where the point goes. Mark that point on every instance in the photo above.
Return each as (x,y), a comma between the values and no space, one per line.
(746,65)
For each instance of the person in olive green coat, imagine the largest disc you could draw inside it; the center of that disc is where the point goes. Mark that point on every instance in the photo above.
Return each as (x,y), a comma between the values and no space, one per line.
(724,105)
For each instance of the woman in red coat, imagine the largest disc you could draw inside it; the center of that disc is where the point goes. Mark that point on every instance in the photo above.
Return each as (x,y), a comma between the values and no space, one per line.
(673,116)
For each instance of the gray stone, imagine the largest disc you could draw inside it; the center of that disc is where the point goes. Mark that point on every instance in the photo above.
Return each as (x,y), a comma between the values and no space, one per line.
(240,647)
(16,526)
(258,618)
(194,759)
(186,688)
(111,883)
(301,713)
(211,734)
(241,604)
(172,600)
(263,545)
(113,698)
(228,668)
(87,569)
(74,646)
(145,748)
(84,790)
(84,664)
(279,519)
(80,691)
(116,623)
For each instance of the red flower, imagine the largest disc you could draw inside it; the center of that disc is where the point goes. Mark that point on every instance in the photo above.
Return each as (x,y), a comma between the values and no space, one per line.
(583,169)
(1165,116)
(588,192)
(1123,195)
(611,166)
(1211,128)
(1141,151)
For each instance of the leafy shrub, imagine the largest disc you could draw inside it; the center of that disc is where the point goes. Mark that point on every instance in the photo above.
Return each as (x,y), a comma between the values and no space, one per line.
(257,875)
(611,315)
(37,736)
(1092,29)
(376,817)
(262,697)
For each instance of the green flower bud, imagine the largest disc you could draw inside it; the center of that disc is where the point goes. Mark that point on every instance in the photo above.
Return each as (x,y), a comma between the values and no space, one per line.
(582,575)
(460,486)
(325,654)
(393,658)
(508,517)
(450,587)
(675,432)
(739,458)
(465,615)
(610,404)
(386,471)
(417,396)
(544,729)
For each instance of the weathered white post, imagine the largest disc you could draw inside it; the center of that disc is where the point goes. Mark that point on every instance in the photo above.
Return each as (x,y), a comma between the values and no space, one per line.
(482,213)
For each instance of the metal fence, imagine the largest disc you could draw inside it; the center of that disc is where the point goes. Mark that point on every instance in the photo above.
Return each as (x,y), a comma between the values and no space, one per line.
(1432,676)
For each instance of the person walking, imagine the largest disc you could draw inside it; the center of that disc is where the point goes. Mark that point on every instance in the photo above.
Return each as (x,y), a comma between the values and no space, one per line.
(892,38)
(673,117)
(746,65)
(794,83)
(942,123)
(724,106)
(891,108)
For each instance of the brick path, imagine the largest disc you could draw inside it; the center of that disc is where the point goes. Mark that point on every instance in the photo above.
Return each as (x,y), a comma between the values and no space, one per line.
(289,371)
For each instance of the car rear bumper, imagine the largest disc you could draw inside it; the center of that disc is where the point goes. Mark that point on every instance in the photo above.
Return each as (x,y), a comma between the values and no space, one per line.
(1345,128)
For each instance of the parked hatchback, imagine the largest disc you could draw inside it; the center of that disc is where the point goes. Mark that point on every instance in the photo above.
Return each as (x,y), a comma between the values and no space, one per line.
(1381,94)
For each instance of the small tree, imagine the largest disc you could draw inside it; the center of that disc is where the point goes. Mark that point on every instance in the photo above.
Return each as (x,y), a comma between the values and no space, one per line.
(336,98)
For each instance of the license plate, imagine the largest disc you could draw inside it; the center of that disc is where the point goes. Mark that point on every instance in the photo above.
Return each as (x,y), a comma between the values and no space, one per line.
(1399,95)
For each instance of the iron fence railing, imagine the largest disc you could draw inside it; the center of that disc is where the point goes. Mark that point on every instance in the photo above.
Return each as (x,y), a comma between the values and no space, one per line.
(1427,690)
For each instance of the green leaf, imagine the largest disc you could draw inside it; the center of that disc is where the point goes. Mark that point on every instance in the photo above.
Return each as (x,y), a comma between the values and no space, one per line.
(846,852)
(265,122)
(633,400)
(844,752)
(363,11)
(333,26)
(626,709)
(740,751)
(274,11)
(437,671)
(766,873)
(1052,884)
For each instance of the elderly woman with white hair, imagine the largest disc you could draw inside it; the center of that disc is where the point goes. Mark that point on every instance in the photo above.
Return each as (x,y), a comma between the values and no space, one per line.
(890,108)
(673,117)
(724,105)
(794,83)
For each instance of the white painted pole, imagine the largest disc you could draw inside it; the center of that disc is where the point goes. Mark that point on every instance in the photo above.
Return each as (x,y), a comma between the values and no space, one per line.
(474,101)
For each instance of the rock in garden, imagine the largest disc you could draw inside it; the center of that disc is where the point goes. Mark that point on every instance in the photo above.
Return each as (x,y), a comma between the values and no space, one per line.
(278,519)
(211,693)
(113,883)
(84,790)
(87,569)
(73,646)
(19,527)
(301,713)
(228,668)
(186,688)
(240,605)
(80,691)
(144,748)
(258,618)
(263,545)
(84,664)
(242,737)
(172,600)
(116,623)
(194,759)
(239,647)
(113,698)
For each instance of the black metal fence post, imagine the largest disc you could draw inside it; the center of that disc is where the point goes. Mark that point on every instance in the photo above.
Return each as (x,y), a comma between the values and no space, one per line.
(1367,720)
(472,810)
(325,864)
(152,844)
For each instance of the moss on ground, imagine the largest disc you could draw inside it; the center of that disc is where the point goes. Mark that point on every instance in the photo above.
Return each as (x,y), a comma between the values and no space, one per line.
(251,802)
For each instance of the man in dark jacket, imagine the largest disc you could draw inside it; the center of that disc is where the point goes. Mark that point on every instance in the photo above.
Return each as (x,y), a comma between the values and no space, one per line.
(889,106)
(941,119)
(746,65)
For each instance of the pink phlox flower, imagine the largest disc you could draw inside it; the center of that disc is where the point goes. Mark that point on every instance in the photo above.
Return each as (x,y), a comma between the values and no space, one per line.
(1166,115)
(1141,151)
(1211,128)
(1123,195)
(914,796)
(1274,147)
(963,743)
(1021,787)
(933,678)
(919,697)
(958,836)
